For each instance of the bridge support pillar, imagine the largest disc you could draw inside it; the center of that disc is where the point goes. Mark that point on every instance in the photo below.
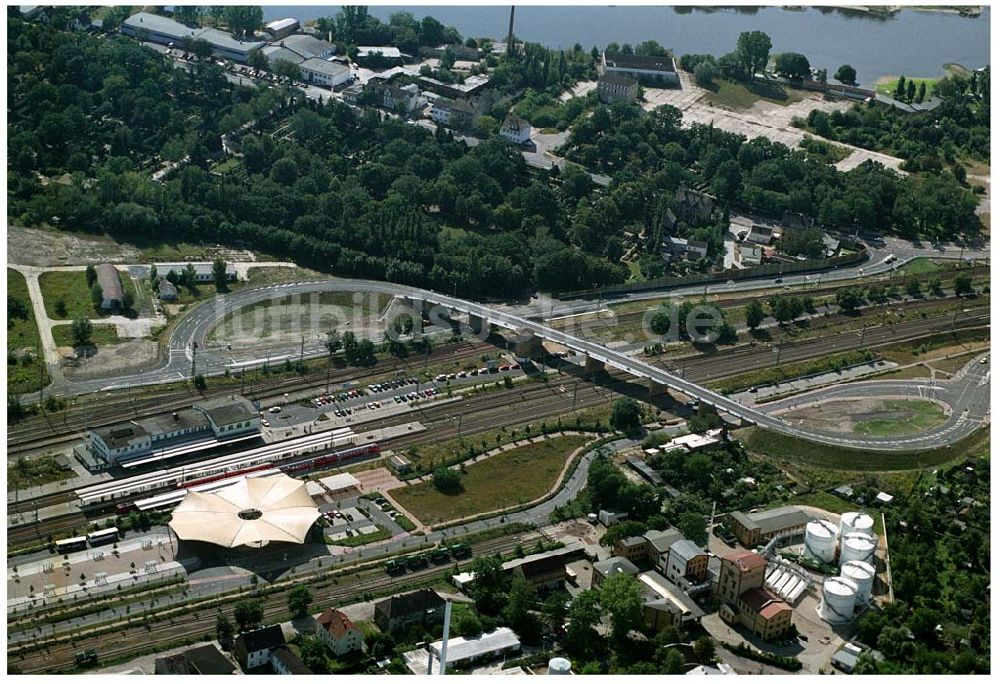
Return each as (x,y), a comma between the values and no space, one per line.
(405,311)
(478,325)
(592,365)
(656,389)
(527,346)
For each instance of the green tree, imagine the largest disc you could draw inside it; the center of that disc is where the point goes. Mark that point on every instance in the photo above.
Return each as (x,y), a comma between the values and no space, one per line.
(91,274)
(489,590)
(911,91)
(81,329)
(673,662)
(60,307)
(963,284)
(199,382)
(849,300)
(582,616)
(154,277)
(621,597)
(189,276)
(517,613)
(257,60)
(754,314)
(900,88)
(333,342)
(299,598)
(753,48)
(626,414)
(223,629)
(248,614)
(243,20)
(922,92)
(286,69)
(97,296)
(693,526)
(791,65)
(934,286)
(704,650)
(219,275)
(914,288)
(846,74)
(128,300)
(447,481)
(201,48)
(314,654)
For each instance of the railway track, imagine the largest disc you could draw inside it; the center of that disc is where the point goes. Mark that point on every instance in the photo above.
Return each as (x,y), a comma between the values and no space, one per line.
(57,655)
(48,431)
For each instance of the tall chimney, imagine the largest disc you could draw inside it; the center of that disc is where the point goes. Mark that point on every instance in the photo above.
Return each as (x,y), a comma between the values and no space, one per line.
(444,636)
(510,33)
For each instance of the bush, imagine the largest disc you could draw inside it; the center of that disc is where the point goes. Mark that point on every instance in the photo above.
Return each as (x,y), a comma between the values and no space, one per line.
(447,481)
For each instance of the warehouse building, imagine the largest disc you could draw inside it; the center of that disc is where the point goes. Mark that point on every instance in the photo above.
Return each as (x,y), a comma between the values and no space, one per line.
(659,71)
(157,29)
(279,28)
(203,272)
(325,73)
(752,529)
(112,294)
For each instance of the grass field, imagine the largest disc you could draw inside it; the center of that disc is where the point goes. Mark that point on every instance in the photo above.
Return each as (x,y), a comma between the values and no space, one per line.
(886,85)
(829,457)
(509,479)
(31,472)
(910,416)
(740,96)
(103,334)
(28,373)
(920,266)
(71,286)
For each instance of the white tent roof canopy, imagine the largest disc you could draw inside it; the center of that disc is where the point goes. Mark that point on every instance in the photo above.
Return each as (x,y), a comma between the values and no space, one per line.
(251,512)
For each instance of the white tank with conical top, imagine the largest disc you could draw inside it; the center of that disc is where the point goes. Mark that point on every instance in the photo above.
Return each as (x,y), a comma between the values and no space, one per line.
(862,574)
(839,597)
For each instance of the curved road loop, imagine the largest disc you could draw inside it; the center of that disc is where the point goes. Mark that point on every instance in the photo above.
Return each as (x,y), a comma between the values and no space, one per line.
(188,344)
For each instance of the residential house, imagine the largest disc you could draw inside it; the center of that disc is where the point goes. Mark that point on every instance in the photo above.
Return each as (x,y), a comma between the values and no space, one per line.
(338,632)
(659,71)
(516,130)
(352,93)
(422,606)
(689,249)
(544,572)
(252,650)
(686,561)
(615,87)
(405,99)
(752,529)
(111,287)
(284,662)
(460,113)
(472,85)
(632,548)
(204,660)
(761,235)
(751,255)
(615,565)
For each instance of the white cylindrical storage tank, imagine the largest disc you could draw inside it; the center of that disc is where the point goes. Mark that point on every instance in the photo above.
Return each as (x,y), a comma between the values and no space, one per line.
(560,666)
(862,574)
(856,521)
(821,540)
(857,546)
(839,596)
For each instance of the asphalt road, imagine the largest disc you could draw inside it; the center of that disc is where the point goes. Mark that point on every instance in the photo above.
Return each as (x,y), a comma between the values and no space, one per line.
(968,395)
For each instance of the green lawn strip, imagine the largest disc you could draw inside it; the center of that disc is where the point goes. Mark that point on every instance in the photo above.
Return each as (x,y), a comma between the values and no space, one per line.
(923,415)
(102,334)
(888,87)
(919,266)
(508,479)
(829,457)
(71,287)
(770,376)
(26,371)
(741,96)
(362,539)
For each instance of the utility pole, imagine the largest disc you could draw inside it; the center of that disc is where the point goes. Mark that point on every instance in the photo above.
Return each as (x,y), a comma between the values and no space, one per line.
(302,348)
(194,356)
(778,360)
(865,329)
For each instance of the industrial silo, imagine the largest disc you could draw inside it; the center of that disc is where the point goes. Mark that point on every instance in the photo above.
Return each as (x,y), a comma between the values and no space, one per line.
(839,596)
(862,574)
(856,521)
(560,666)
(857,546)
(821,540)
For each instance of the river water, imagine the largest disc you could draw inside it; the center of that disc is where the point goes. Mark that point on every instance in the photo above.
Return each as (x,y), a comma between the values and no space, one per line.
(914,43)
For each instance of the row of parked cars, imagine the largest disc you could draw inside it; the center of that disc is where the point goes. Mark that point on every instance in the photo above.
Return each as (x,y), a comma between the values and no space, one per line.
(477,371)
(386,507)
